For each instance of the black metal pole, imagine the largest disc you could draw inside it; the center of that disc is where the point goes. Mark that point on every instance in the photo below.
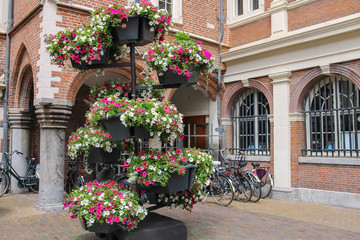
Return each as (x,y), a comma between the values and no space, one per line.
(7,73)
(221,35)
(133,88)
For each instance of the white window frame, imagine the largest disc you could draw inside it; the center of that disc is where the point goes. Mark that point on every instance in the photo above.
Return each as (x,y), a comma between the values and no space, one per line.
(177,10)
(248,13)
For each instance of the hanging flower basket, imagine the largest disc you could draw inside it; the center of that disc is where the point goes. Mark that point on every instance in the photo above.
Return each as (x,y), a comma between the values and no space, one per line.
(98,155)
(172,77)
(137,30)
(176,182)
(119,131)
(96,63)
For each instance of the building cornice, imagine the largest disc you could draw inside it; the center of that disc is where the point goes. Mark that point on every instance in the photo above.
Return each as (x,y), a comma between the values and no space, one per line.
(301,36)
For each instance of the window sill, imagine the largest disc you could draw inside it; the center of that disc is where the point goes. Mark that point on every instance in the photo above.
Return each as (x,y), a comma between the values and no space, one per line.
(330,160)
(252,158)
(239,21)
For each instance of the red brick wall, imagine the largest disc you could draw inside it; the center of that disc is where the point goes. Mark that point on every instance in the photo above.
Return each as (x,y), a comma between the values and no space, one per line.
(28,37)
(251,32)
(297,143)
(2,51)
(22,8)
(330,177)
(321,11)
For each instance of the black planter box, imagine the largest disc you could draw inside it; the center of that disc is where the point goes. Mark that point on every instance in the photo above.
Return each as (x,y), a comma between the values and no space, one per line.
(118,131)
(98,155)
(170,77)
(94,64)
(176,182)
(100,227)
(137,30)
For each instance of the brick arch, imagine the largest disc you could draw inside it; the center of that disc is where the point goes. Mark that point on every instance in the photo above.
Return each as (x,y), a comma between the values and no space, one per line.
(71,89)
(24,89)
(230,95)
(209,85)
(346,71)
(307,82)
(23,75)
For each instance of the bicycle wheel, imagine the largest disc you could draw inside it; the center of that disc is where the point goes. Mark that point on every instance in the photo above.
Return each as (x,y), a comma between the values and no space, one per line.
(255,186)
(266,183)
(75,180)
(33,181)
(221,190)
(243,190)
(4,183)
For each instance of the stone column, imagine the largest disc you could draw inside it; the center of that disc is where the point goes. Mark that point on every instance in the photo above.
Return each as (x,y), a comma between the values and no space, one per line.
(282,144)
(20,124)
(53,116)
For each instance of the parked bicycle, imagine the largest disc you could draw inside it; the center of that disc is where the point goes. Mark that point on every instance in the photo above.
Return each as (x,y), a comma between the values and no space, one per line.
(242,185)
(31,178)
(266,181)
(221,187)
(75,178)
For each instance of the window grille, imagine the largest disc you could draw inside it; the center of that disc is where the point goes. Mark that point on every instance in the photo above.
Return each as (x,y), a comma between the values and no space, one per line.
(251,125)
(332,118)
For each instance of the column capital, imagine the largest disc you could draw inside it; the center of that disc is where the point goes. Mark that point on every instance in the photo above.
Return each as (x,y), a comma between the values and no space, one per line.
(280,77)
(52,113)
(20,118)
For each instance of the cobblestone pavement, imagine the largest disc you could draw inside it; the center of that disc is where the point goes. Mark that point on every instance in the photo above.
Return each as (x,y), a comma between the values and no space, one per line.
(267,219)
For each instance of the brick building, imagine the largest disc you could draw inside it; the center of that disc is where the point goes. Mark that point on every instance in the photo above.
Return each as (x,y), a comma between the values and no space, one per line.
(298,59)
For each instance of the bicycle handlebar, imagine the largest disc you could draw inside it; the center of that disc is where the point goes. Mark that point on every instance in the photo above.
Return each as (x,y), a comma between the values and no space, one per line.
(15,151)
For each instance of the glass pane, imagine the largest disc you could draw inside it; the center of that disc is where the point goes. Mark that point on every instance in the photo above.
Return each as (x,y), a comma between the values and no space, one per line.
(239,7)
(255,4)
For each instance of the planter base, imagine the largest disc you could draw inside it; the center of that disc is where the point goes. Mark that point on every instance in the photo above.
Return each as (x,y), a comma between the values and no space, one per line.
(170,77)
(119,132)
(154,226)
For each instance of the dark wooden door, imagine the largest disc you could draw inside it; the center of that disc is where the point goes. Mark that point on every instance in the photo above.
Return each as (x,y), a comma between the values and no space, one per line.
(197,127)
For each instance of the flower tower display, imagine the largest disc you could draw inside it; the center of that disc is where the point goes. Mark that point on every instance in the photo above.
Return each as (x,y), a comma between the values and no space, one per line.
(121,114)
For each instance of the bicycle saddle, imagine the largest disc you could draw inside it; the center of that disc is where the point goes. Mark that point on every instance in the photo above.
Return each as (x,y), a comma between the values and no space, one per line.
(242,164)
(255,164)
(30,159)
(72,164)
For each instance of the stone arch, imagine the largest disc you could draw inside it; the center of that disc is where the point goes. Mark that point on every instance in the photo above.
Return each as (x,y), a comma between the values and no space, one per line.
(238,87)
(307,82)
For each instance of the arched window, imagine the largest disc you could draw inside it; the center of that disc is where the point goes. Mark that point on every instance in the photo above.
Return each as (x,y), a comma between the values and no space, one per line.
(332,118)
(251,125)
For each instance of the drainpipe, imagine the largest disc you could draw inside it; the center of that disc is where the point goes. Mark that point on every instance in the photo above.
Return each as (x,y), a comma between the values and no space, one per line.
(221,35)
(7,73)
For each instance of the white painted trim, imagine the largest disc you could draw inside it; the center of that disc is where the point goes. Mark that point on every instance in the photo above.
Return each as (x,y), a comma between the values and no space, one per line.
(248,158)
(74,5)
(177,15)
(296,117)
(196,113)
(248,16)
(298,3)
(330,160)
(226,121)
(45,78)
